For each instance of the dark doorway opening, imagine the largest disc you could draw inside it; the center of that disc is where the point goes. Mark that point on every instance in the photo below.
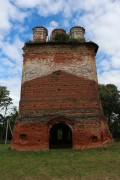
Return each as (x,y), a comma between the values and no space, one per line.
(60,136)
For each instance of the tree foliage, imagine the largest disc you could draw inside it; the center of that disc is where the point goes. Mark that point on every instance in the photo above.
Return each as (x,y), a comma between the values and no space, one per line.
(61,37)
(5,99)
(110,99)
(7,112)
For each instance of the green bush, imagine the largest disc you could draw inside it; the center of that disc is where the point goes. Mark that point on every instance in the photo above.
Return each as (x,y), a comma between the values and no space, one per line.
(61,37)
(73,40)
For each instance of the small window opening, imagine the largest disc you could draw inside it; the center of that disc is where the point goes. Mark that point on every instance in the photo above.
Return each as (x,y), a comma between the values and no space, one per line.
(23,136)
(94,138)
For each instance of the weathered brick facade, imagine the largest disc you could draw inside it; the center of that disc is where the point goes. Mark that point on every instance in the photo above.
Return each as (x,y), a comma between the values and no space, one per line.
(59,105)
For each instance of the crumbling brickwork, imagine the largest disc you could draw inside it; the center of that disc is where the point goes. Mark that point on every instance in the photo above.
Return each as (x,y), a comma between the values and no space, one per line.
(59,86)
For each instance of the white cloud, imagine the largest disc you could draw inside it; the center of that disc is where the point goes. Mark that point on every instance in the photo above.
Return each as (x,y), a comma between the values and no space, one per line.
(110,77)
(116,61)
(20,29)
(13,85)
(65,23)
(93,5)
(104,65)
(44,8)
(13,50)
(50,7)
(6,62)
(28,3)
(54,24)
(11,66)
(8,13)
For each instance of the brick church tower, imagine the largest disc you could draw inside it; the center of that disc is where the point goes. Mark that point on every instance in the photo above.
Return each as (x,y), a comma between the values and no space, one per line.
(59,104)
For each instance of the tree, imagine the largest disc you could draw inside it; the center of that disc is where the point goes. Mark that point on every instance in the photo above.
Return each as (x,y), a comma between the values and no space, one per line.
(115,126)
(110,99)
(5,99)
(7,113)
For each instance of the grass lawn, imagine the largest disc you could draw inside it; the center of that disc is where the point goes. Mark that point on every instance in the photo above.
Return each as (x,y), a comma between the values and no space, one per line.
(91,164)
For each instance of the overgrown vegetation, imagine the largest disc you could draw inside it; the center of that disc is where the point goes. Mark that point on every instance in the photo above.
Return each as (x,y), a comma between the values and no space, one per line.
(110,99)
(62,37)
(94,164)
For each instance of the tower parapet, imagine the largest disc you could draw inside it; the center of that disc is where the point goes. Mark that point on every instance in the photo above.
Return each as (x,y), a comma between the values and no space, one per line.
(40,34)
(77,32)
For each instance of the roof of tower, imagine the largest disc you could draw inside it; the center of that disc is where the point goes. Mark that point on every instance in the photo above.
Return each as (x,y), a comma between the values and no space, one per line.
(77,27)
(59,29)
(40,27)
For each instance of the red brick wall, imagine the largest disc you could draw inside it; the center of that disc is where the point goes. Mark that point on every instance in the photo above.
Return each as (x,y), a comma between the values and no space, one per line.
(59,84)
(91,133)
(85,134)
(60,90)
(44,59)
(30,136)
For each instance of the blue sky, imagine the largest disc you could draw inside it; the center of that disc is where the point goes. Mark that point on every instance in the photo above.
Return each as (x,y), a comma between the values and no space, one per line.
(100,18)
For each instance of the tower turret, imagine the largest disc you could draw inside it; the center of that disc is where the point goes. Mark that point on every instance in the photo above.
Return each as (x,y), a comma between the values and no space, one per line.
(39,34)
(77,32)
(57,31)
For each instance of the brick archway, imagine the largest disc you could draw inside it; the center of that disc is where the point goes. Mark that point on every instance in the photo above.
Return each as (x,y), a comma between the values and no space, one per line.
(60,136)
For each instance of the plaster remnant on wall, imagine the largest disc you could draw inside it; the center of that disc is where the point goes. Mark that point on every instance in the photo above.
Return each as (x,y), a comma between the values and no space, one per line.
(38,67)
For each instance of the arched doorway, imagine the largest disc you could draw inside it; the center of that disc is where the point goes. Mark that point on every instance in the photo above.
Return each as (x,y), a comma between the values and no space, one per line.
(60,136)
